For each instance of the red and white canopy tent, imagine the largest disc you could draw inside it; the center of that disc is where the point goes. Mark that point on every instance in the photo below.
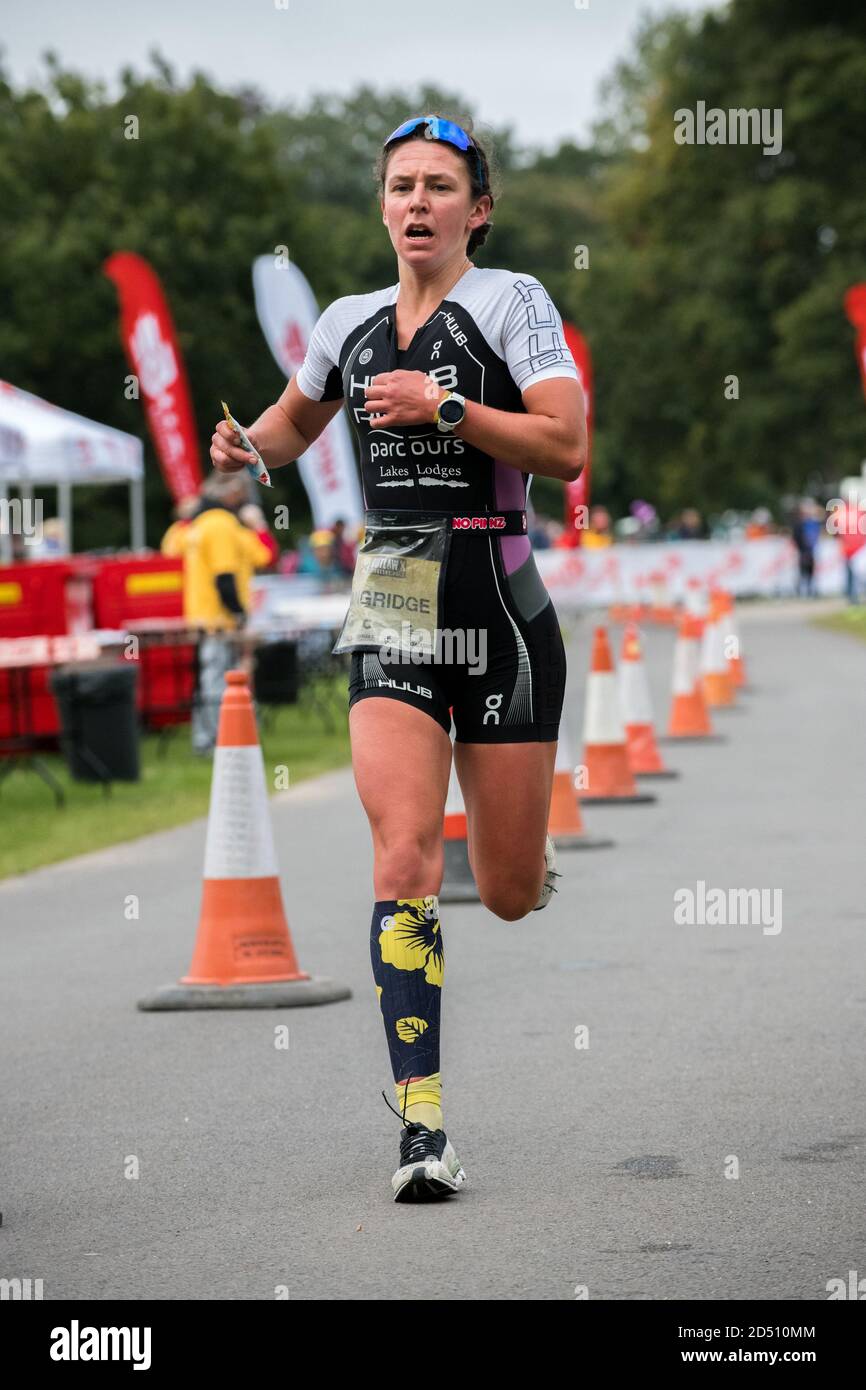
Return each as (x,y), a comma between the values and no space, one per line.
(42,444)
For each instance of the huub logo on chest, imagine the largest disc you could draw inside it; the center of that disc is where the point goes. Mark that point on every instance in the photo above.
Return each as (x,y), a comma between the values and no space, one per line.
(455,330)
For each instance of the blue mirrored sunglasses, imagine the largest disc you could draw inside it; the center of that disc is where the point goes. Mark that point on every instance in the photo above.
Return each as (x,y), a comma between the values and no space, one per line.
(438,129)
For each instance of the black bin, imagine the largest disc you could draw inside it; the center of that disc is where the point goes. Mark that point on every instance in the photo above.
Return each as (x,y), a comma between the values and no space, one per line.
(275,677)
(98,721)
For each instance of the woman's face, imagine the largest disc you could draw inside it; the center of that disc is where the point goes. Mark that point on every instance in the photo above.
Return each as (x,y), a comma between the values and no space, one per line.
(427,185)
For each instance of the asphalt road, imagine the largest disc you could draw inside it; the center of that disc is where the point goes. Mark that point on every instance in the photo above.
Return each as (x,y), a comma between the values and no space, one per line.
(602,1167)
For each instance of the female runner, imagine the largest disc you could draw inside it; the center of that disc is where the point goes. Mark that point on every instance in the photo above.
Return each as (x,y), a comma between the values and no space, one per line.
(460,386)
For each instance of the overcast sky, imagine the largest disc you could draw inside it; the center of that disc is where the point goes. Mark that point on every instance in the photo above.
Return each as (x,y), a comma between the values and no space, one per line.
(533,64)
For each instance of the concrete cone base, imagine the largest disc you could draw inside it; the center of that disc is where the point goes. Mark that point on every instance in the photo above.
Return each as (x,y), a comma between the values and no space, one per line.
(634,799)
(693,738)
(581,842)
(458,885)
(277,994)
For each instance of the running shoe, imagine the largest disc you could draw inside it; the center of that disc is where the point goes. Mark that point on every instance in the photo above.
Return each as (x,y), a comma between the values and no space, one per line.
(429,1167)
(548,887)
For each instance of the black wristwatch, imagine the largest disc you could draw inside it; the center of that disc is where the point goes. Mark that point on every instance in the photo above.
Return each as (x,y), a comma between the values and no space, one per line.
(450,412)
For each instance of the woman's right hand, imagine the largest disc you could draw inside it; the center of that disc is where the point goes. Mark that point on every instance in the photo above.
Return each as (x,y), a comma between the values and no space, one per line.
(225,455)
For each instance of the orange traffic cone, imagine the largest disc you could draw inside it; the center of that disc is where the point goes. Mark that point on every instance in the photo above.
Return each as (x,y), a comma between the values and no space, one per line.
(716,678)
(458,882)
(624,613)
(661,610)
(565,824)
(733,645)
(696,602)
(243,956)
(644,758)
(620,612)
(689,719)
(609,777)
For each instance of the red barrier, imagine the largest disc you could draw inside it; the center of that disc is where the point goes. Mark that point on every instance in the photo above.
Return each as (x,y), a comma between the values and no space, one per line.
(52,598)
(33,598)
(140,589)
(142,586)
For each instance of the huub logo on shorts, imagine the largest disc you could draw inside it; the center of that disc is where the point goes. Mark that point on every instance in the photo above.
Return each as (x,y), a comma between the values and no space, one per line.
(365,356)
(478,523)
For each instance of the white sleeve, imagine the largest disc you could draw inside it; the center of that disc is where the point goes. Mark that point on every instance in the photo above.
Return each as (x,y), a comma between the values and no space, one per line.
(533,339)
(319,374)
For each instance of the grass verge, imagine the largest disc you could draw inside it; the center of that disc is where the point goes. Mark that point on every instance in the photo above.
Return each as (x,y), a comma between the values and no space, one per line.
(851,620)
(174,787)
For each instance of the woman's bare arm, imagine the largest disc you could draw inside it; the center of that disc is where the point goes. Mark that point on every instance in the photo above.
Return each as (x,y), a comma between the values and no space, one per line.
(281,434)
(550,439)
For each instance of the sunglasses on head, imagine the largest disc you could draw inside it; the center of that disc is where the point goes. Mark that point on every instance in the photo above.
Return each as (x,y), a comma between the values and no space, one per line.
(438,129)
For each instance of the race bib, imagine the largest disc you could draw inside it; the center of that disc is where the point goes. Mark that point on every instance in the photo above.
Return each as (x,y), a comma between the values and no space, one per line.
(397,587)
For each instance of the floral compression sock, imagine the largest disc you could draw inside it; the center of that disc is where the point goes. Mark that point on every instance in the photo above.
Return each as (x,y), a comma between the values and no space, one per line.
(408,960)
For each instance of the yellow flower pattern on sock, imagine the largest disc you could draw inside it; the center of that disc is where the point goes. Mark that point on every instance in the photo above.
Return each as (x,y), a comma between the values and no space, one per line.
(408,962)
(410,938)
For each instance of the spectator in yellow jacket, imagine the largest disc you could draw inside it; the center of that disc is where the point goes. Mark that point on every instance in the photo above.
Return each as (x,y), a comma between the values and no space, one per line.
(219,555)
(598,534)
(172,541)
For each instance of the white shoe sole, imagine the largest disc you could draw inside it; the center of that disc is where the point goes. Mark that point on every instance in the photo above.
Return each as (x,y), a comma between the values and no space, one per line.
(428,1179)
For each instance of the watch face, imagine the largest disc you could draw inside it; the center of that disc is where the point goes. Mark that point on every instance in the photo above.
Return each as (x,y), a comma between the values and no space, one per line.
(451,411)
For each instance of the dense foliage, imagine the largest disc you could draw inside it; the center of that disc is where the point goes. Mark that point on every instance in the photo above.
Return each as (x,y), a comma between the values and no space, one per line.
(705,261)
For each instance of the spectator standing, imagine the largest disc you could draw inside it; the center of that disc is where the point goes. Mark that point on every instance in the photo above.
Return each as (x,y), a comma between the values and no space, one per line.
(344,551)
(598,534)
(172,542)
(220,555)
(689,527)
(805,533)
(848,522)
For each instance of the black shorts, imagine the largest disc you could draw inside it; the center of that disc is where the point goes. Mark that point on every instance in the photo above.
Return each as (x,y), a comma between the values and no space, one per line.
(500,664)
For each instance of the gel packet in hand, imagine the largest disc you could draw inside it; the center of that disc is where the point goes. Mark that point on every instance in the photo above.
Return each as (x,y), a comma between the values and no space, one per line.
(257,469)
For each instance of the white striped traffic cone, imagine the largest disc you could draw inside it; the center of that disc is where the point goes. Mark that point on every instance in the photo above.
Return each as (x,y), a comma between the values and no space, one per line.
(458,883)
(661,610)
(689,718)
(609,777)
(565,825)
(733,644)
(243,956)
(716,678)
(644,758)
(696,599)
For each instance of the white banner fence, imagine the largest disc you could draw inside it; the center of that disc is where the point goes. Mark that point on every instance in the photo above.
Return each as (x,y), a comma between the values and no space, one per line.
(766,568)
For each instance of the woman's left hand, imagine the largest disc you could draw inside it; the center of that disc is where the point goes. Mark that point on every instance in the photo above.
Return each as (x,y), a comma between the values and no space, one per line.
(402,398)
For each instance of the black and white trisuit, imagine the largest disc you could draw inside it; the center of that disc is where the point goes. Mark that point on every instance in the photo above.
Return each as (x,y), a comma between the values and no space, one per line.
(497,333)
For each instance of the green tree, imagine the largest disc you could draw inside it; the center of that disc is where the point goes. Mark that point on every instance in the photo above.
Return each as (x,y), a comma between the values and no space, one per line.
(705,262)
(718,260)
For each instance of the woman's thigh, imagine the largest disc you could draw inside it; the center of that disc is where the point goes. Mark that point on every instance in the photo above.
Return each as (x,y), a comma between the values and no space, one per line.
(506,789)
(401,759)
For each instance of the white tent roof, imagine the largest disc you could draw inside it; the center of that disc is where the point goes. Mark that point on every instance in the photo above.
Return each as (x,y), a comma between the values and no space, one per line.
(42,443)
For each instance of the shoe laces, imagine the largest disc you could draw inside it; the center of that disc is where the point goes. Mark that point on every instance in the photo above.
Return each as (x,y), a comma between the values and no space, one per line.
(549,876)
(416,1141)
(405,1102)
